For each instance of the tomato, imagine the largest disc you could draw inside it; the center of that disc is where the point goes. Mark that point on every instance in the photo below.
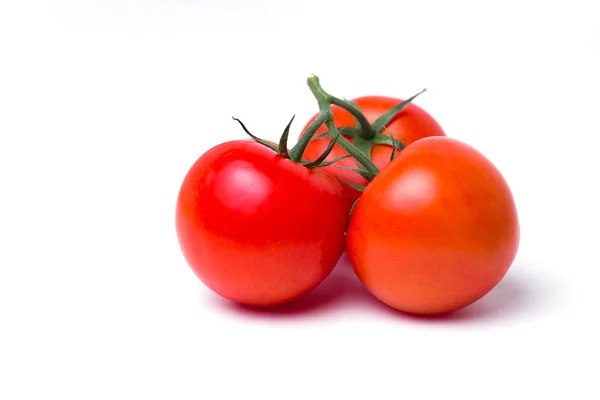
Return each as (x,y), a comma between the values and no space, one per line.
(411,124)
(435,230)
(258,228)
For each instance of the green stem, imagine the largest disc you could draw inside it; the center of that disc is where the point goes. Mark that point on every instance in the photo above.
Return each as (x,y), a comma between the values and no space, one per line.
(366,130)
(323,98)
(298,150)
(361,158)
(365,146)
(324,101)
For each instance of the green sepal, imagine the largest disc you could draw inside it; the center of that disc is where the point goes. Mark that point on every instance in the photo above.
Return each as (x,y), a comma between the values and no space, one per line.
(283,150)
(324,155)
(259,140)
(393,155)
(365,174)
(361,158)
(350,214)
(326,163)
(353,186)
(389,140)
(363,145)
(321,136)
(344,130)
(389,115)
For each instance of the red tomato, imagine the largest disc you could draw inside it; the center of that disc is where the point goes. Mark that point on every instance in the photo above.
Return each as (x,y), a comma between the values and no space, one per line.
(257,228)
(411,124)
(436,230)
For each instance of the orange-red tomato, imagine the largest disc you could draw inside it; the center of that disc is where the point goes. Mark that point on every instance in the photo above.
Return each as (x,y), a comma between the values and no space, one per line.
(257,228)
(435,230)
(411,124)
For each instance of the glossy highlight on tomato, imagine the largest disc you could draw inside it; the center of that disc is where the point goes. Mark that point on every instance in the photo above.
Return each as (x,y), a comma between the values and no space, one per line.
(411,124)
(435,230)
(258,228)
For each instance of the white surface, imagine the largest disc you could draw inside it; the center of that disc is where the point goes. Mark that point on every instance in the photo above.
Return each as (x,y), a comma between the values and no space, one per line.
(104,105)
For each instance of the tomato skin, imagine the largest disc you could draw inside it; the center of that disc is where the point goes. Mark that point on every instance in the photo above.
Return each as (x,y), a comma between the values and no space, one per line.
(436,230)
(411,124)
(257,228)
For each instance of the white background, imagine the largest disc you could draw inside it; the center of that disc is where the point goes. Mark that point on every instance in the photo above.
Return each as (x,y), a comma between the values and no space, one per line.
(104,105)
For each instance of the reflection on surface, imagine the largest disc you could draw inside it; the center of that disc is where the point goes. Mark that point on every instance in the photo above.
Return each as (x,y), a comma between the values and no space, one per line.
(244,188)
(416,188)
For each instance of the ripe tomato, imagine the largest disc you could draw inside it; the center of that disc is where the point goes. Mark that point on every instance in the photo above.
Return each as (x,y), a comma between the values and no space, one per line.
(258,228)
(411,124)
(436,230)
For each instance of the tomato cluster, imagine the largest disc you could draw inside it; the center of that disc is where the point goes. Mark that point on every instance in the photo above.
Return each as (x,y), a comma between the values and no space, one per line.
(428,222)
